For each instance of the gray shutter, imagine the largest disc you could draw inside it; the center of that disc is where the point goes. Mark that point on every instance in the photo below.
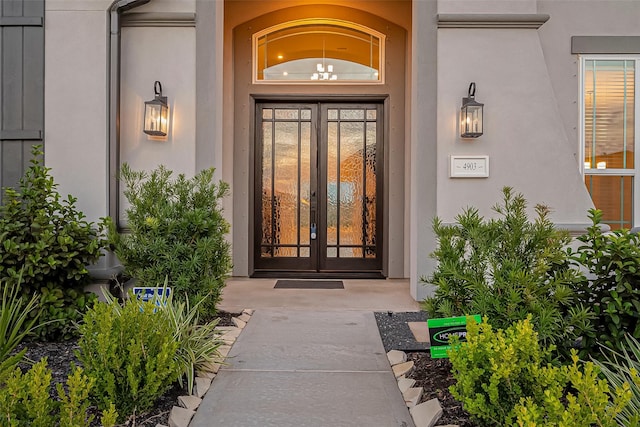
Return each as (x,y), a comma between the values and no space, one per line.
(21,85)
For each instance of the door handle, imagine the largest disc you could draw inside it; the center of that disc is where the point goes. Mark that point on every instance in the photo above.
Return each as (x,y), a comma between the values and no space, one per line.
(314,231)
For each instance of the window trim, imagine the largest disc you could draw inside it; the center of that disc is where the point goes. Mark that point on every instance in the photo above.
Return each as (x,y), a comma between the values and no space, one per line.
(635,172)
(318,21)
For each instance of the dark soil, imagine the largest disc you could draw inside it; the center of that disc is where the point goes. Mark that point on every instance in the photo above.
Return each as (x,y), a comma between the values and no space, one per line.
(433,375)
(60,355)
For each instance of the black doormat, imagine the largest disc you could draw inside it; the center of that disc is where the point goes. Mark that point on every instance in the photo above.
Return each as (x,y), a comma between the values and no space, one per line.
(309,284)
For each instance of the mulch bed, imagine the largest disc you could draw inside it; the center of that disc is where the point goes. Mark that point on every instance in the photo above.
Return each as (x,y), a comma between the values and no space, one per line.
(433,375)
(60,355)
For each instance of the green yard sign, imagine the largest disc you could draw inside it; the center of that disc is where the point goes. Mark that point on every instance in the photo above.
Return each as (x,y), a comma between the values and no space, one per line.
(440,330)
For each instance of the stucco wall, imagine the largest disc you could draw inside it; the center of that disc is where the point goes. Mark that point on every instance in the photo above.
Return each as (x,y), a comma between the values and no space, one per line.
(529,82)
(523,137)
(76,95)
(422,152)
(168,6)
(579,18)
(487,6)
(166,55)
(76,100)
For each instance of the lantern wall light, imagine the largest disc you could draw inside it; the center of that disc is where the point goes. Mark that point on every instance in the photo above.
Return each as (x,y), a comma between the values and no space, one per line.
(471,115)
(156,113)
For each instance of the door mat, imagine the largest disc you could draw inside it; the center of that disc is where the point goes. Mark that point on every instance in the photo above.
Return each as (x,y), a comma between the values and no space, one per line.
(309,284)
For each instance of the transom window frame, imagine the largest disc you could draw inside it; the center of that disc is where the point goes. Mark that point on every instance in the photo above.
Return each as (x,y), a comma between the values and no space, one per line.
(594,171)
(318,21)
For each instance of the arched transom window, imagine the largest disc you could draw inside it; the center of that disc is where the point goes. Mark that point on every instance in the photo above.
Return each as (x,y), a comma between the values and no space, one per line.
(318,51)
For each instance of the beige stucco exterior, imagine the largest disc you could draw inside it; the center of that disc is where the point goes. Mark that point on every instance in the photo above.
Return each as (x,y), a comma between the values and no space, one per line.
(526,76)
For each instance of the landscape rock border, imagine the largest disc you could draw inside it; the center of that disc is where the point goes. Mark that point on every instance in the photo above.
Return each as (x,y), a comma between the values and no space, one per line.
(183,412)
(424,414)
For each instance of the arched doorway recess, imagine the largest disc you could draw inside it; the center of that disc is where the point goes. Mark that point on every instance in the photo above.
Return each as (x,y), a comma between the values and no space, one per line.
(262,253)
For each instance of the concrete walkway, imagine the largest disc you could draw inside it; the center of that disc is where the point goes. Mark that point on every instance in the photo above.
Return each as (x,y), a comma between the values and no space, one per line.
(359,294)
(303,367)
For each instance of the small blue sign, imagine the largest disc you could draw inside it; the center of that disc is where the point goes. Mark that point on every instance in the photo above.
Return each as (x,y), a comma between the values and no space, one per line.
(148,294)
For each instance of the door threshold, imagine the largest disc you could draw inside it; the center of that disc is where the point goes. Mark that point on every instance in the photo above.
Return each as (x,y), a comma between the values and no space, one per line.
(272,274)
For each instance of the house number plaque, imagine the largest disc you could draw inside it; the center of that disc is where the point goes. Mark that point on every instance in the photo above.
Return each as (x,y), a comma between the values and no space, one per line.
(469,167)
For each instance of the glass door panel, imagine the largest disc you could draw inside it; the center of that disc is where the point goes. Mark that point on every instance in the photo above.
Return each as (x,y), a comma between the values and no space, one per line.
(317,204)
(353,147)
(285,141)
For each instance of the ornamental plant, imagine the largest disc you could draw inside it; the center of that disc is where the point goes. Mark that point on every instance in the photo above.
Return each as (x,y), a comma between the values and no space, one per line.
(46,243)
(25,400)
(197,343)
(622,368)
(504,378)
(506,269)
(578,398)
(175,229)
(130,352)
(16,323)
(611,287)
(494,369)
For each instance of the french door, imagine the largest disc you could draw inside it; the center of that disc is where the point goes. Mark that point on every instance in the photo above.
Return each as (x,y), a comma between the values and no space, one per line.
(318,189)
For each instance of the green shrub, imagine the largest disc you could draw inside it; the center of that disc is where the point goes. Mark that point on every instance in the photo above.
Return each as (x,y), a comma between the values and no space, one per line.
(75,405)
(197,343)
(495,369)
(586,404)
(130,352)
(622,368)
(15,324)
(507,268)
(47,243)
(504,378)
(176,230)
(613,262)
(25,400)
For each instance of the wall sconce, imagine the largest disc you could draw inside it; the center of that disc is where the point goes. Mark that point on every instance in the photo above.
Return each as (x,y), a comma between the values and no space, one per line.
(471,115)
(156,113)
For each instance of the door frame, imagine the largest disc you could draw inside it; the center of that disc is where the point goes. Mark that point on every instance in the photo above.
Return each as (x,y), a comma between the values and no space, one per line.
(382,220)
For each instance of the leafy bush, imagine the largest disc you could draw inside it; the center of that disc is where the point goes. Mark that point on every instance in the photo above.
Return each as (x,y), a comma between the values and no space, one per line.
(507,268)
(197,343)
(25,400)
(622,368)
(504,379)
(15,325)
(613,262)
(587,404)
(495,369)
(176,230)
(129,352)
(47,243)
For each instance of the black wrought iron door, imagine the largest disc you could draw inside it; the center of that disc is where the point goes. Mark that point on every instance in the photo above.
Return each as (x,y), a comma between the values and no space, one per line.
(318,204)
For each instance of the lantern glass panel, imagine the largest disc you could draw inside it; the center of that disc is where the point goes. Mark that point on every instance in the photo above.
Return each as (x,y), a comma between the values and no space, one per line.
(475,113)
(164,119)
(155,118)
(471,120)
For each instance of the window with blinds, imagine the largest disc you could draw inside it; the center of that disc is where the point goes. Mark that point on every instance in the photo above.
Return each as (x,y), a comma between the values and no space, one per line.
(609,108)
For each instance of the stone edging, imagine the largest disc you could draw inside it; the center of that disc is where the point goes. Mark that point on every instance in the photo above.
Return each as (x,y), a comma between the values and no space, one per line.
(424,414)
(187,405)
